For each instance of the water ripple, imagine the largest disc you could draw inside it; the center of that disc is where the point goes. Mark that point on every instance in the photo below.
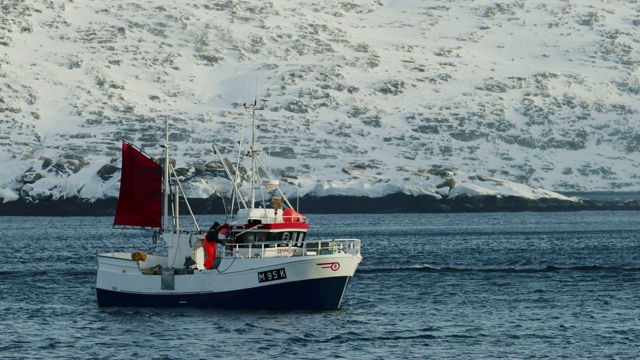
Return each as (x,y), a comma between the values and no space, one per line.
(548,268)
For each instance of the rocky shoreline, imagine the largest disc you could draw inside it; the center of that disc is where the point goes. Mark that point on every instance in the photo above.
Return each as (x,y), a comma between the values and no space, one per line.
(395,203)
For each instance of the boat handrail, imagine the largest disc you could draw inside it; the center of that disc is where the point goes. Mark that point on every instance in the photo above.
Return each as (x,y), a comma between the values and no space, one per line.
(292,248)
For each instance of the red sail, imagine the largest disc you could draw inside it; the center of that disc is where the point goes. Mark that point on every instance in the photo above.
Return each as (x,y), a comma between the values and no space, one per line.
(140,200)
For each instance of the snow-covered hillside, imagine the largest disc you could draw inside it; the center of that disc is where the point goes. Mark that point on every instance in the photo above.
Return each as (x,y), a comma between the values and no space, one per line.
(366,97)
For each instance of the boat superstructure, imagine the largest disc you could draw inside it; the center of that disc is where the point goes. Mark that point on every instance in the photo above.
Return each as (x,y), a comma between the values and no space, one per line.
(264,259)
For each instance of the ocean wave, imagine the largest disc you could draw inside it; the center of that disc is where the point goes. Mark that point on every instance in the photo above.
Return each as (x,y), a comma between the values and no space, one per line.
(26,273)
(353,336)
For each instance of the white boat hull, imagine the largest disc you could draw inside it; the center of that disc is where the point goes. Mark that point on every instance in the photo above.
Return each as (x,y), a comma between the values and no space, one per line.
(293,282)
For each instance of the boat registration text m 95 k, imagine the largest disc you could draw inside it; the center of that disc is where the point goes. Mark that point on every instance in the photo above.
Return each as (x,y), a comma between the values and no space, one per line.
(272,275)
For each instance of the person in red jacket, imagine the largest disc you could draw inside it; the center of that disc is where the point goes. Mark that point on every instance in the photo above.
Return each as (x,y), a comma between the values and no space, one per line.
(210,241)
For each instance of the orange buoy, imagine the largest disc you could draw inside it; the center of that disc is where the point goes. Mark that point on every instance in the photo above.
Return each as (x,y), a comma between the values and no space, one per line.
(290,216)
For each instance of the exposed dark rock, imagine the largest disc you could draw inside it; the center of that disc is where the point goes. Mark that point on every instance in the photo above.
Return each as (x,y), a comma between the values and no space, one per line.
(373,121)
(209,59)
(182,172)
(284,152)
(392,87)
(499,9)
(591,18)
(61,207)
(71,165)
(172,162)
(394,203)
(106,171)
(526,141)
(30,176)
(440,172)
(299,107)
(200,169)
(46,162)
(357,111)
(467,135)
(448,182)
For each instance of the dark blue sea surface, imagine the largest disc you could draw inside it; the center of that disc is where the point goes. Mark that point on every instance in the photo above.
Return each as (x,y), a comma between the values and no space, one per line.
(431,286)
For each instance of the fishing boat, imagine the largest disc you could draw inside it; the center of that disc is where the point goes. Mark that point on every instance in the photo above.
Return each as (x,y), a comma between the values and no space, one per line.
(259,258)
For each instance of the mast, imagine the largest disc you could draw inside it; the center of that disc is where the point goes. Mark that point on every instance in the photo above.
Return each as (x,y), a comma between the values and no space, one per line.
(253,160)
(255,153)
(165,198)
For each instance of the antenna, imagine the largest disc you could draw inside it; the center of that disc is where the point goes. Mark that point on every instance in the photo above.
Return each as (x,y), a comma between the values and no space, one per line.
(246,88)
(256,95)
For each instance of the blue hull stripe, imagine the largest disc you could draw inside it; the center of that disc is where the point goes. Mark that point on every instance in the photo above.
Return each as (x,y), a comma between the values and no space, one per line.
(325,293)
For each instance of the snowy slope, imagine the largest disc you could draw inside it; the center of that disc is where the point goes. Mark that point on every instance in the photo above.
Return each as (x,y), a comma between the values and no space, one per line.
(366,97)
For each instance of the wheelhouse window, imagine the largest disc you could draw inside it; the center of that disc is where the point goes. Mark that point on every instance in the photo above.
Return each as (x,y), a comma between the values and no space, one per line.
(284,236)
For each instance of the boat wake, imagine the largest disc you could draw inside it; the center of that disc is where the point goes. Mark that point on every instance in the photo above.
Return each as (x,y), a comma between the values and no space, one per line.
(514,270)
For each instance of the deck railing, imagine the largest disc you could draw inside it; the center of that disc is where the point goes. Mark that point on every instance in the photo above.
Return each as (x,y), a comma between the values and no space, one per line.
(286,249)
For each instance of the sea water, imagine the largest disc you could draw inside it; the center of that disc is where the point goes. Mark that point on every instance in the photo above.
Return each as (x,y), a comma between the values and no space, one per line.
(431,286)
